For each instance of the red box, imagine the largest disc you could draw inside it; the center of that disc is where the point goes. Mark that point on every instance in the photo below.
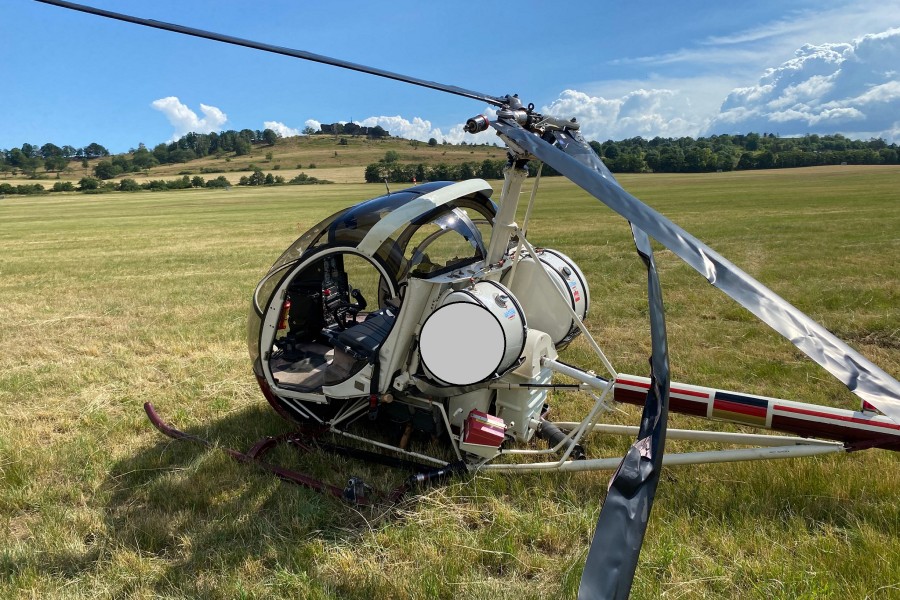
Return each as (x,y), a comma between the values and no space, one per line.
(484,429)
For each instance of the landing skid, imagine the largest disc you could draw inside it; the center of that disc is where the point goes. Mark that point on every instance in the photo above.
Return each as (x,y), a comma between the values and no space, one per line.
(307,440)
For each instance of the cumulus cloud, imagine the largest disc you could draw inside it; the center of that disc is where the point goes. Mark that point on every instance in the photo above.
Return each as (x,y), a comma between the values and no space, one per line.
(416,129)
(185,121)
(281,129)
(645,113)
(421,129)
(850,88)
(312,123)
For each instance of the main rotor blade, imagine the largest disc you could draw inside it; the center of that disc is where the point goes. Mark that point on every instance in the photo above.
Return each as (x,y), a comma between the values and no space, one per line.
(572,157)
(613,556)
(210,35)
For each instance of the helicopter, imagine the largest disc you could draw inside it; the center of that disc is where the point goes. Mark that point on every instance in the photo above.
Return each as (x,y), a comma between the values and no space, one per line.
(427,311)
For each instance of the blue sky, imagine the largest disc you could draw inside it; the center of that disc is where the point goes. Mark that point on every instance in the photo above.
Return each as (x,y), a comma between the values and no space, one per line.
(624,69)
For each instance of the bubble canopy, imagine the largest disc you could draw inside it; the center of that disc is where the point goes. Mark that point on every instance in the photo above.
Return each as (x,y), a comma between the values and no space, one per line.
(421,231)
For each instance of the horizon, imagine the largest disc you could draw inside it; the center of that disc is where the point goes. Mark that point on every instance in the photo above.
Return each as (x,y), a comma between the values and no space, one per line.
(489,142)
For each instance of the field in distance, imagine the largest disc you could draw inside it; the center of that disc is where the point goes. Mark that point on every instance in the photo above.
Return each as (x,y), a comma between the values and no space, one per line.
(332,160)
(109,301)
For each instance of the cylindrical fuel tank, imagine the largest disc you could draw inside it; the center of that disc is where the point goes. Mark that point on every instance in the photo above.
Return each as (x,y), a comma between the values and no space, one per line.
(473,335)
(540,295)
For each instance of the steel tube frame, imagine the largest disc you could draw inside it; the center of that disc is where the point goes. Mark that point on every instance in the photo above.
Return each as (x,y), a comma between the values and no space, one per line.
(694,435)
(671,460)
(584,330)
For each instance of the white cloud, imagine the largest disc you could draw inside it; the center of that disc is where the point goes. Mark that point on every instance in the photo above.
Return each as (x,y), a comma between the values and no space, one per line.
(281,129)
(886,92)
(765,31)
(185,121)
(848,85)
(313,124)
(423,129)
(850,88)
(645,113)
(416,129)
(766,43)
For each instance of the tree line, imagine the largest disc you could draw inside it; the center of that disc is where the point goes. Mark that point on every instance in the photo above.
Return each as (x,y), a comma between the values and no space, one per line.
(187,148)
(392,170)
(92,185)
(633,155)
(30,158)
(675,155)
(741,152)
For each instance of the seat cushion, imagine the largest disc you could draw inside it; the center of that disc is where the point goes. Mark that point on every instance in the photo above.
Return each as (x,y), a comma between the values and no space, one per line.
(364,339)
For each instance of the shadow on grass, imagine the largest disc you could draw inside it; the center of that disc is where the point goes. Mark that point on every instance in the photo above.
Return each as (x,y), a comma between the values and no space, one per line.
(202,512)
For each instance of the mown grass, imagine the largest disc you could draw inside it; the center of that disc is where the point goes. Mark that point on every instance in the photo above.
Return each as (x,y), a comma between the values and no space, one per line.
(110,301)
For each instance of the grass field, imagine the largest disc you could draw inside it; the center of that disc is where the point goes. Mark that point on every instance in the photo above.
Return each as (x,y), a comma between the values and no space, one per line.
(110,301)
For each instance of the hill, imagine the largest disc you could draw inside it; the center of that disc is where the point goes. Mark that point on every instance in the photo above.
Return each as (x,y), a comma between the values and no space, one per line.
(341,159)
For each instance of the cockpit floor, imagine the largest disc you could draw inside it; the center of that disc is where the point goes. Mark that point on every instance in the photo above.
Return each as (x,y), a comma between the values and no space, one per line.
(304,369)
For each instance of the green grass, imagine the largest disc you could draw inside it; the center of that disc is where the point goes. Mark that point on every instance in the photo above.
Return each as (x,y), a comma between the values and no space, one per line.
(110,301)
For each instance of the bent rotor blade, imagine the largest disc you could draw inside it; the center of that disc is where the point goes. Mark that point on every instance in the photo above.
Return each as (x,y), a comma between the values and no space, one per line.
(613,556)
(335,62)
(572,157)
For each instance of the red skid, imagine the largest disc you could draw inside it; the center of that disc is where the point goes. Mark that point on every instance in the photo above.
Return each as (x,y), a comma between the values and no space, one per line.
(252,457)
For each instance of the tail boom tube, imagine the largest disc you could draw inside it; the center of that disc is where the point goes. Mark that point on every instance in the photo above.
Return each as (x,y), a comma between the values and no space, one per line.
(856,429)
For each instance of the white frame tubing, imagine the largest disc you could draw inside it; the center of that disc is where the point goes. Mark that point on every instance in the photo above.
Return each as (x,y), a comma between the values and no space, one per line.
(351,409)
(574,436)
(671,460)
(584,330)
(356,409)
(301,409)
(505,219)
(694,435)
(598,383)
(523,231)
(397,449)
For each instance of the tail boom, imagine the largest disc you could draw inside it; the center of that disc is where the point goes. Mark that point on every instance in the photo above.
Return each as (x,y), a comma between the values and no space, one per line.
(857,429)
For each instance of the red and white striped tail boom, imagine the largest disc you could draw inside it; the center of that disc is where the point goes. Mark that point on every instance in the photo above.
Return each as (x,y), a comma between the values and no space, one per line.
(857,429)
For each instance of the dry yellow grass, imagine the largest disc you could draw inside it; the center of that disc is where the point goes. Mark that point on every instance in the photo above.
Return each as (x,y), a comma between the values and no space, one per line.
(333,161)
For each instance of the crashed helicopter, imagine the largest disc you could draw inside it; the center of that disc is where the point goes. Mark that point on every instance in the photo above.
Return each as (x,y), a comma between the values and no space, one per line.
(428,310)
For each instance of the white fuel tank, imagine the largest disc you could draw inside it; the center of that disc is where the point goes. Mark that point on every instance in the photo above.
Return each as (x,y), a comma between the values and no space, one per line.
(540,295)
(473,335)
